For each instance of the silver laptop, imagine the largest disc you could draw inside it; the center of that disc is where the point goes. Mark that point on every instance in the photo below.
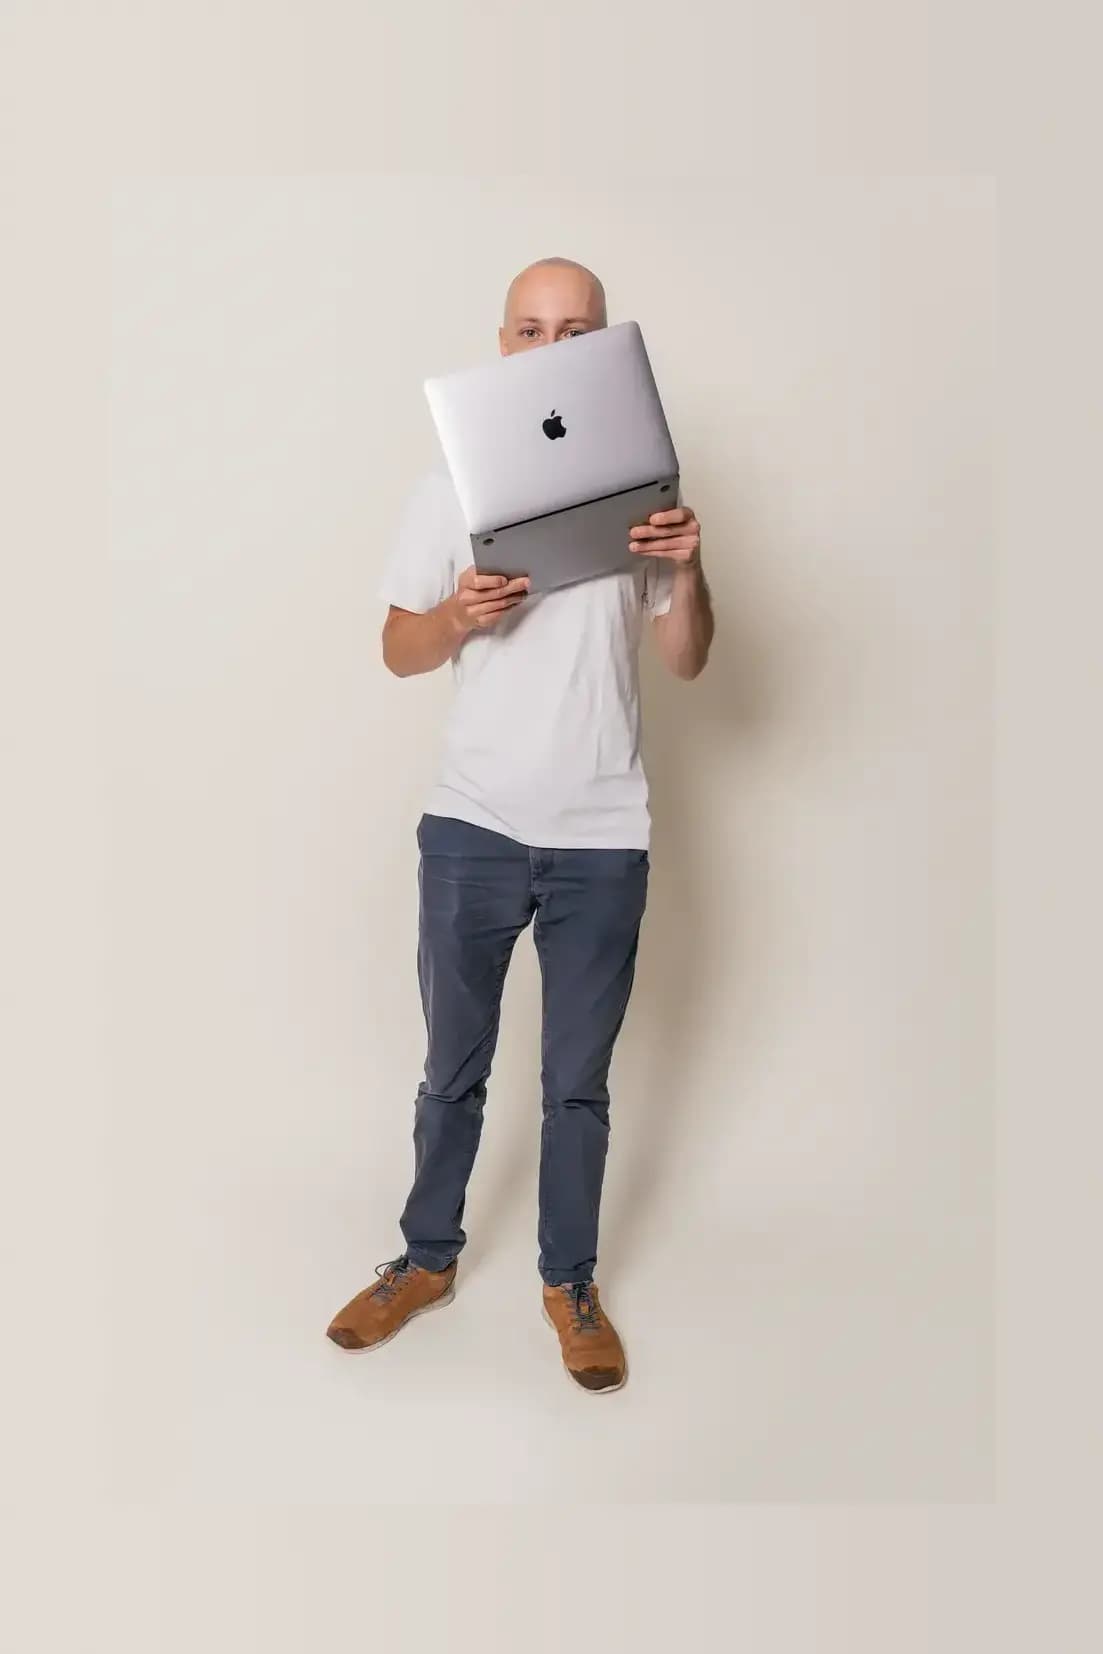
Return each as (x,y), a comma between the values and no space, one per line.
(555,453)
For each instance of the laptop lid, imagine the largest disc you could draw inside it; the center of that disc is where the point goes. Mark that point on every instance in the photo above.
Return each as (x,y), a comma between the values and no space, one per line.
(552,427)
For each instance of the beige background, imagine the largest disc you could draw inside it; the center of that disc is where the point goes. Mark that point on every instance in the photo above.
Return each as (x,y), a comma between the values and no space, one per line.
(716,92)
(796,1227)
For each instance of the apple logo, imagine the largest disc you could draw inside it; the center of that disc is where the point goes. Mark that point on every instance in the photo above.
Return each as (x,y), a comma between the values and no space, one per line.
(554,426)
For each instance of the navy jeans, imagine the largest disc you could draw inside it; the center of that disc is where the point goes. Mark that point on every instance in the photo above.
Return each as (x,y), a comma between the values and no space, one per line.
(478,892)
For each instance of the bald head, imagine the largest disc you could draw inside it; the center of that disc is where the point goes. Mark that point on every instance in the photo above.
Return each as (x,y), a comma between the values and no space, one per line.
(552,299)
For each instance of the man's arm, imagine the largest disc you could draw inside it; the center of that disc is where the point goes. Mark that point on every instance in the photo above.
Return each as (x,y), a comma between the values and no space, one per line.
(415,643)
(683,636)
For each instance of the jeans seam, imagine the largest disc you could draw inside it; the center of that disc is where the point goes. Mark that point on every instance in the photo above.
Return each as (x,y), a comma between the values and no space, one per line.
(545,1119)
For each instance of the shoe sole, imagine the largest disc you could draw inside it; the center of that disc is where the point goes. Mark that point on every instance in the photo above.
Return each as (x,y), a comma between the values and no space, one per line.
(366,1349)
(606,1389)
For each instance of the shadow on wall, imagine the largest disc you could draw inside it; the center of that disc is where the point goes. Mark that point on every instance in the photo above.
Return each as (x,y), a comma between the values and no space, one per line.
(695,736)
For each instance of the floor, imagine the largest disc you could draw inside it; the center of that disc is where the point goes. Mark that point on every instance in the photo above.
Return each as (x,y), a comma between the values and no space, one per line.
(785,1361)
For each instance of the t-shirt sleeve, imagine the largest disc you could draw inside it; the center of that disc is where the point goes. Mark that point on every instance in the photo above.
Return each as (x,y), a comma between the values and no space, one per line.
(658,585)
(420,570)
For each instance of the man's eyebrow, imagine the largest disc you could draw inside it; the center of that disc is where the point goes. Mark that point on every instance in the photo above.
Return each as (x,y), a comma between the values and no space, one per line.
(539,321)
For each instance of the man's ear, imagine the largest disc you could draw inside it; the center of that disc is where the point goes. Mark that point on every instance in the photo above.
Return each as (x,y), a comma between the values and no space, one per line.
(503,342)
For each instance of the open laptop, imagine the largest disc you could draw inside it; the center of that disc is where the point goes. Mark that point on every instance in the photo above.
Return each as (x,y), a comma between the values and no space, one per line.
(555,453)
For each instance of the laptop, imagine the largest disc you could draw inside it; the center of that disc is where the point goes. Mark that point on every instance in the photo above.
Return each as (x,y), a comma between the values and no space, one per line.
(555,453)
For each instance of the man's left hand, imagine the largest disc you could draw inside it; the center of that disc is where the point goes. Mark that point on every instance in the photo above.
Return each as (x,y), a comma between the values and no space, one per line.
(675,534)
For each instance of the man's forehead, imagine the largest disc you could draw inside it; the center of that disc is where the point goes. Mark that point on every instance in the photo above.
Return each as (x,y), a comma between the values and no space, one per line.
(535,291)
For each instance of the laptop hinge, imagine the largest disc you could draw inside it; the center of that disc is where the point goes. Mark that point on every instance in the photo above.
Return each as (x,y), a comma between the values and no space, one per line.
(558,512)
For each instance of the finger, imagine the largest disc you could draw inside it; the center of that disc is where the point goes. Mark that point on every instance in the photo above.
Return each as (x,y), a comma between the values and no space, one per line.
(485,582)
(665,548)
(657,525)
(501,586)
(662,543)
(680,514)
(504,588)
(645,531)
(496,606)
(482,599)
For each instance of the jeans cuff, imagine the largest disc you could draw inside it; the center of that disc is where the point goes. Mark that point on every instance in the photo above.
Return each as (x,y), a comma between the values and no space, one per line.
(434,1262)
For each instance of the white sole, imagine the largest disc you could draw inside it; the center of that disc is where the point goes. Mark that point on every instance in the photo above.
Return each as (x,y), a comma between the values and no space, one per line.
(606,1390)
(366,1349)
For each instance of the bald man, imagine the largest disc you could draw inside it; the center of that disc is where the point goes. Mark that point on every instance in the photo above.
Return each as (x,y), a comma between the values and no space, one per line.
(539,815)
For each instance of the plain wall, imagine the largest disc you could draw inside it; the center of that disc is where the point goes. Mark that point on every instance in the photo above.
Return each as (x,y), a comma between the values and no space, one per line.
(796,1223)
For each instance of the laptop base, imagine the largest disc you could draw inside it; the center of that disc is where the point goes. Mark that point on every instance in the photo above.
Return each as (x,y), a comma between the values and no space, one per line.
(575,543)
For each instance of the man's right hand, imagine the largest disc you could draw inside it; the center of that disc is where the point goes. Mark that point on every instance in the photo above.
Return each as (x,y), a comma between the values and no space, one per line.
(414,642)
(480,600)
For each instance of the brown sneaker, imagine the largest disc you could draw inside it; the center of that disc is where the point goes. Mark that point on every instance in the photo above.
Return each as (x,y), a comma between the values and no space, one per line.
(402,1291)
(592,1353)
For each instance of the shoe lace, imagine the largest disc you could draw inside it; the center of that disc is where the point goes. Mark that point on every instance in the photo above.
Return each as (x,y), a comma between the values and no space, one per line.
(392,1277)
(585,1310)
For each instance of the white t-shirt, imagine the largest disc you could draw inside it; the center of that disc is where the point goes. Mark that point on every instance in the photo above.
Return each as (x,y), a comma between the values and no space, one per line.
(543,740)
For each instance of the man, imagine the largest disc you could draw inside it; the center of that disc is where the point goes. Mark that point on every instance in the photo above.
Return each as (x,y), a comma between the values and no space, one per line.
(540,813)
